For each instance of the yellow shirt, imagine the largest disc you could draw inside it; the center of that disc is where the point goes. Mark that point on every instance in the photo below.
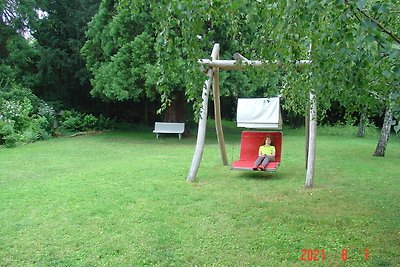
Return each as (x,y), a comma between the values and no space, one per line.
(266,150)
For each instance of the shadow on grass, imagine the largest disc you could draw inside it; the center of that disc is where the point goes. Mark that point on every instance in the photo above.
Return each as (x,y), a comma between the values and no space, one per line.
(259,175)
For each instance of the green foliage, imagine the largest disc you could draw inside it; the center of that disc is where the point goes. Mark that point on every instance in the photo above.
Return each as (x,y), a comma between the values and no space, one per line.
(121,78)
(23,116)
(22,122)
(353,59)
(58,36)
(72,120)
(139,50)
(22,57)
(19,14)
(17,54)
(7,134)
(149,49)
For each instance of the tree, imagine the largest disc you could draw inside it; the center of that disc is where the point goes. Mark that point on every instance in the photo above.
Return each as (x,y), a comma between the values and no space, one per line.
(149,49)
(119,51)
(375,20)
(160,42)
(23,116)
(19,15)
(16,51)
(59,35)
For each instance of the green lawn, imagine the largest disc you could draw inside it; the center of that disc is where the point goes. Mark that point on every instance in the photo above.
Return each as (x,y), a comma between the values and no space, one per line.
(121,199)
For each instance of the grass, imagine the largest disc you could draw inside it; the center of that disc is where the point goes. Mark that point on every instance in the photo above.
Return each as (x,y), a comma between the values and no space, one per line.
(120,199)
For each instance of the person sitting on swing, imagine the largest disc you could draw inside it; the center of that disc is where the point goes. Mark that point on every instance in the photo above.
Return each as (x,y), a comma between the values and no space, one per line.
(266,153)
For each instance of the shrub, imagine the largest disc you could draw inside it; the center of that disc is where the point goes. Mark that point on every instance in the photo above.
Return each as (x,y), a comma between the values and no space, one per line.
(48,116)
(89,122)
(8,137)
(105,123)
(36,130)
(71,120)
(23,117)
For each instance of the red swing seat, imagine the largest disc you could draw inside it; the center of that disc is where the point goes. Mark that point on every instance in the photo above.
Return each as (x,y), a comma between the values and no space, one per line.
(250,143)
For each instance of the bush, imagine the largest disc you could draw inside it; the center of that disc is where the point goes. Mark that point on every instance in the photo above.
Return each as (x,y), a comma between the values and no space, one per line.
(89,122)
(105,123)
(71,120)
(8,137)
(23,116)
(46,117)
(37,130)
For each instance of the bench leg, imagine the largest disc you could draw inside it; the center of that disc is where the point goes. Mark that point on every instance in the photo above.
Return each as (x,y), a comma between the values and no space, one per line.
(180,136)
(157,135)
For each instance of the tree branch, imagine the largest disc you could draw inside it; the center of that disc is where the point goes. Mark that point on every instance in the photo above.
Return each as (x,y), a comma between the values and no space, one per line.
(380,26)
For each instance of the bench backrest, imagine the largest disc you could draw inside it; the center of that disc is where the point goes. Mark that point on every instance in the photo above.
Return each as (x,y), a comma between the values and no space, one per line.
(169,127)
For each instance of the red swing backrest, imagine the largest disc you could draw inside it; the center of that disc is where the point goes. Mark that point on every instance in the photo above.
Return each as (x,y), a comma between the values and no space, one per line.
(251,141)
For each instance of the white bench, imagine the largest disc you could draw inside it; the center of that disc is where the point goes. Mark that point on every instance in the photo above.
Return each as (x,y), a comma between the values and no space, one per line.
(169,127)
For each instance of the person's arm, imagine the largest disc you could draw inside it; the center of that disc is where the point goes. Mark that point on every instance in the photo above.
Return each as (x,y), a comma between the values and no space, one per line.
(259,152)
(273,152)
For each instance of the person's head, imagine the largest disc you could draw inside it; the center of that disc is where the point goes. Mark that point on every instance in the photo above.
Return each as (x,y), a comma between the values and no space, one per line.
(267,140)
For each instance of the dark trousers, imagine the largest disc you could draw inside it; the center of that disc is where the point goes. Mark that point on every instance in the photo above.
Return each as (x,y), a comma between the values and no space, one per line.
(263,160)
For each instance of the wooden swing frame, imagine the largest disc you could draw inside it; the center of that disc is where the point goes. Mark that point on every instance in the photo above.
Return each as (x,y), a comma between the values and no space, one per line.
(239,63)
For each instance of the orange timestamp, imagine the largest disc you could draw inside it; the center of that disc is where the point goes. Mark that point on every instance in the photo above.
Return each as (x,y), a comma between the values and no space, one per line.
(320,254)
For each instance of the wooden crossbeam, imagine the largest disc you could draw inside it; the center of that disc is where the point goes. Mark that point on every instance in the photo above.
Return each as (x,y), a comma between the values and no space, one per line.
(243,64)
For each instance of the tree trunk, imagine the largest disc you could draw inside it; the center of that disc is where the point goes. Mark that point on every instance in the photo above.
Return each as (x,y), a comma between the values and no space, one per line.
(175,112)
(361,125)
(312,142)
(307,133)
(385,133)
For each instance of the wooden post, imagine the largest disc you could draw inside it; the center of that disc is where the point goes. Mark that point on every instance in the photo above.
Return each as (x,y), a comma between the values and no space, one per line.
(217,115)
(201,131)
(312,141)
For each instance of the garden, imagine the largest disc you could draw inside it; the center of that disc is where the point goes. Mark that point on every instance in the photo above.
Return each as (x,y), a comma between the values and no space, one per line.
(120,198)
(87,180)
